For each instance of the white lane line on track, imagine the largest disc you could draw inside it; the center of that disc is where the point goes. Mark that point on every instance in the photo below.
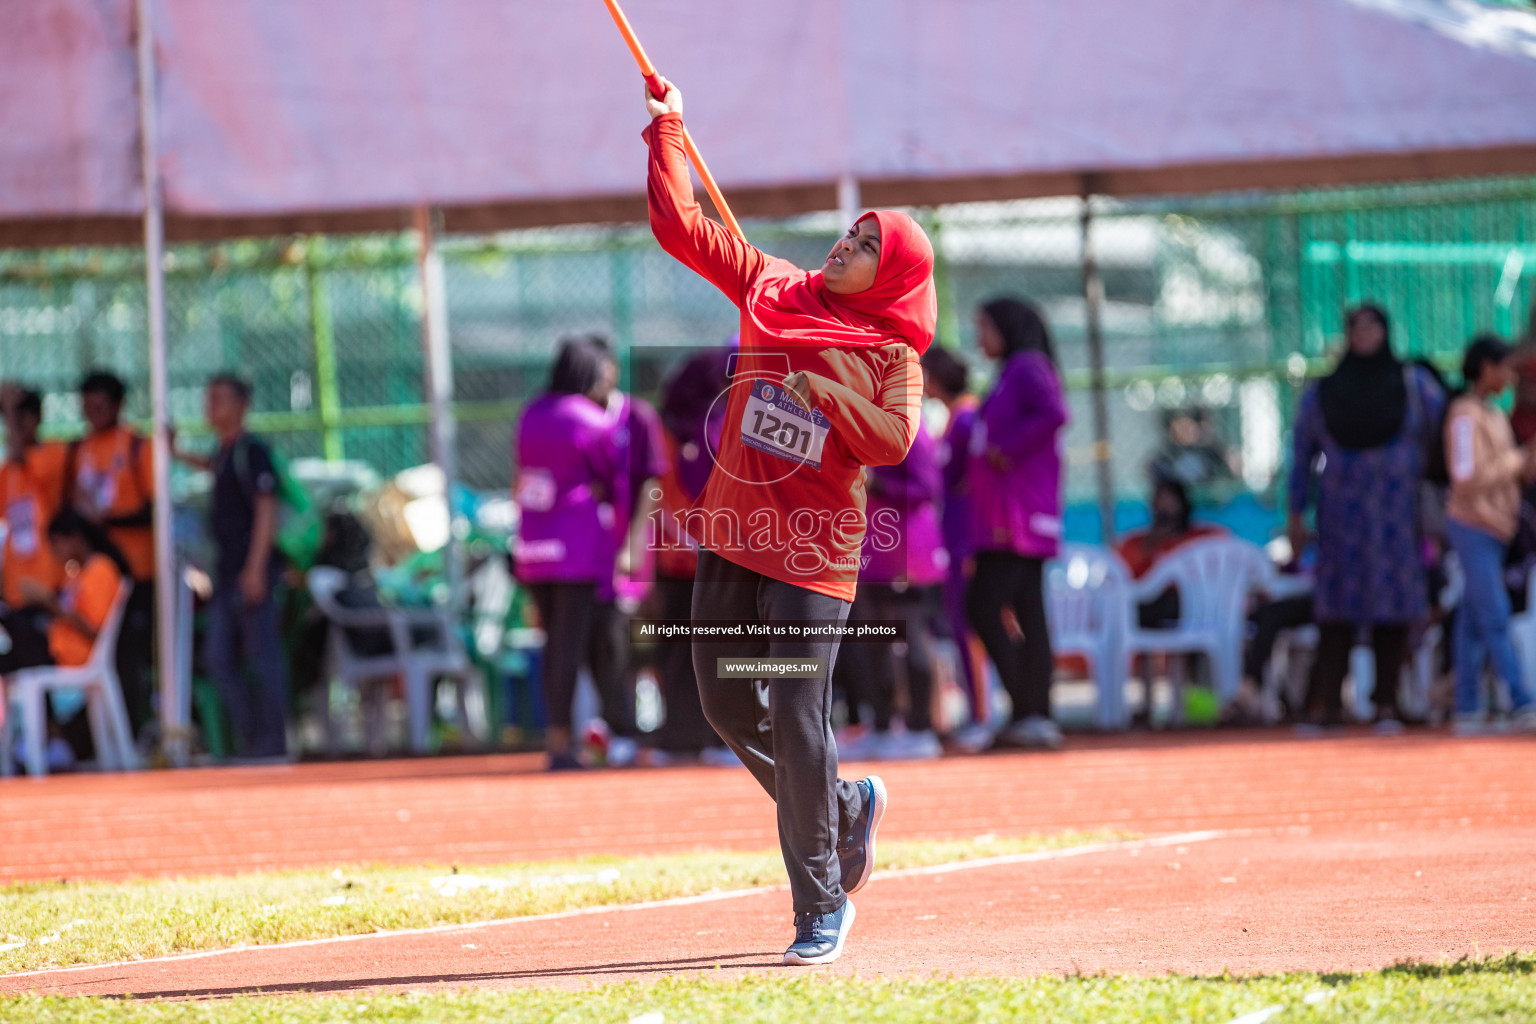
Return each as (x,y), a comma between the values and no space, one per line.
(1178,839)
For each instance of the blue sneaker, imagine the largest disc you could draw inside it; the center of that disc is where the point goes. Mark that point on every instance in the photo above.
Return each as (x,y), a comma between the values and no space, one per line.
(856,851)
(819,938)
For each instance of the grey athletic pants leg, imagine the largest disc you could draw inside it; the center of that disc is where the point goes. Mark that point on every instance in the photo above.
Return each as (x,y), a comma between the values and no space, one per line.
(780,728)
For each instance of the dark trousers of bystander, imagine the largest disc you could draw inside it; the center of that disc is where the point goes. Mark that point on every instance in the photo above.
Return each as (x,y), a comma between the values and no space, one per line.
(872,668)
(27,630)
(685,729)
(608,658)
(579,630)
(1335,640)
(243,652)
(567,612)
(1007,580)
(1265,624)
(780,728)
(960,632)
(136,655)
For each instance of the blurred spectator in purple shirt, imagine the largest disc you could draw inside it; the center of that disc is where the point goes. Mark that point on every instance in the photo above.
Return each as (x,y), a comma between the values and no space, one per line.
(566,473)
(1014,474)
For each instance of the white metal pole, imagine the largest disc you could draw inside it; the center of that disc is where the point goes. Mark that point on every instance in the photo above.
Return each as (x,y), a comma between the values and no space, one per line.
(172,728)
(848,202)
(439,365)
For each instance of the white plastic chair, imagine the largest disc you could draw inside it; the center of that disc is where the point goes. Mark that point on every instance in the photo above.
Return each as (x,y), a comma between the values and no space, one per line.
(97,678)
(1086,588)
(1213,577)
(418,667)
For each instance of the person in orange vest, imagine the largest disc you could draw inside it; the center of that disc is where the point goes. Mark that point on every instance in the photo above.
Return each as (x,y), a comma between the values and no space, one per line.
(63,619)
(31,488)
(110,481)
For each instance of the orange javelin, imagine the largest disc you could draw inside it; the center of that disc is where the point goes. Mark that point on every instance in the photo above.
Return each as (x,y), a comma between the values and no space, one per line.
(658,87)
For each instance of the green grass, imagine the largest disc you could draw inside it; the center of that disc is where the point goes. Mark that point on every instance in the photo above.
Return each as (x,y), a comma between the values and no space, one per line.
(58,924)
(1488,990)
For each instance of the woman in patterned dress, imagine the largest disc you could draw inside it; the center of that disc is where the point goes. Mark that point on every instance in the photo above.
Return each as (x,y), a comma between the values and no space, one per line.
(1360,448)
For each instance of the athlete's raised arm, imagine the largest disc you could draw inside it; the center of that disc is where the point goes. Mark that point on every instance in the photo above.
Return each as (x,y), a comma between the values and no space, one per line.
(707,248)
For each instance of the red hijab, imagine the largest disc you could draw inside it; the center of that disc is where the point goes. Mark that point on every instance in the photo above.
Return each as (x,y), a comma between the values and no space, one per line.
(901,306)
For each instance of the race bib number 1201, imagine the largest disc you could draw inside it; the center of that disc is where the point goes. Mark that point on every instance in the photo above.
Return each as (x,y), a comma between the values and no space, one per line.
(777,424)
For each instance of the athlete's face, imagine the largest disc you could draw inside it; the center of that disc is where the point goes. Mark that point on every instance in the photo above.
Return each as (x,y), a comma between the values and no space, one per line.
(855,259)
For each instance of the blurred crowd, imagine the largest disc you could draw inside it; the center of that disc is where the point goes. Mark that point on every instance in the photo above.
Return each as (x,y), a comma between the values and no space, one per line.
(1411,509)
(1411,532)
(78,562)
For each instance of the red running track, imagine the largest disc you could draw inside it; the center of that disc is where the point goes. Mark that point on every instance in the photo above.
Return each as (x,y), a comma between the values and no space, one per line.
(1368,851)
(502,808)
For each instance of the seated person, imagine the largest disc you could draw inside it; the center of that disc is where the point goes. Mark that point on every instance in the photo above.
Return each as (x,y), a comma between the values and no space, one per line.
(1270,615)
(61,628)
(1142,549)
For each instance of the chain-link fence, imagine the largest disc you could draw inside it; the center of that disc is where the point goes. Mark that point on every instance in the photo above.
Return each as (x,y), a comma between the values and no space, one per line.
(1216,311)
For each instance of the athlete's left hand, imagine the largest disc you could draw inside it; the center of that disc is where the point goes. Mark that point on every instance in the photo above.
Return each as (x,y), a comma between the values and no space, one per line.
(799,385)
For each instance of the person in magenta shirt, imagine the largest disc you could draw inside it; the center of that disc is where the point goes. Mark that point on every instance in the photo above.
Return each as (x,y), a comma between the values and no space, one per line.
(947,379)
(639,460)
(1014,466)
(904,563)
(565,480)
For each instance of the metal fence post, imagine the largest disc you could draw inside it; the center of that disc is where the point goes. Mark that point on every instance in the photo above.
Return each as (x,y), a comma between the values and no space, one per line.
(439,379)
(323,337)
(1093,301)
(173,728)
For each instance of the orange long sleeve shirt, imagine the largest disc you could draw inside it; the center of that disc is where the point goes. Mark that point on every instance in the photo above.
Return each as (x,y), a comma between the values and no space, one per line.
(769,506)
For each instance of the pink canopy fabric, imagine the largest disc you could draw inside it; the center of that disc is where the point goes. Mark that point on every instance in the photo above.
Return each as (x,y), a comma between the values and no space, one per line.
(281,113)
(68,109)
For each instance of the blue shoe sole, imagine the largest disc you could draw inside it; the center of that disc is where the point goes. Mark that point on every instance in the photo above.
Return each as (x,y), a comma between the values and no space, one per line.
(793,959)
(876,812)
